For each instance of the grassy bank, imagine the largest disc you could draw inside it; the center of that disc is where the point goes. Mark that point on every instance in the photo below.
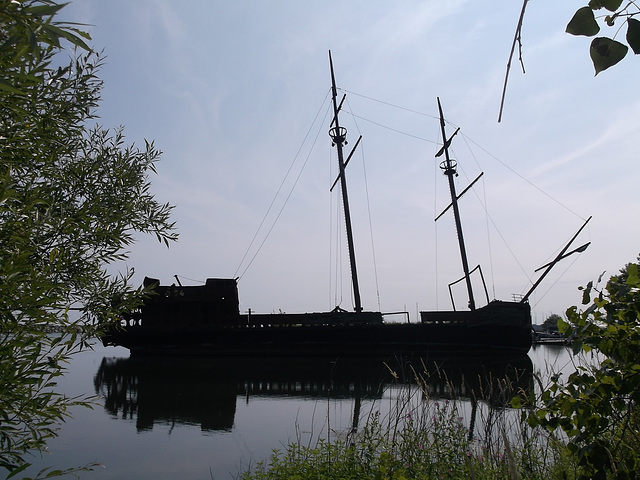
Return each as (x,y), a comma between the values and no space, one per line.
(421,437)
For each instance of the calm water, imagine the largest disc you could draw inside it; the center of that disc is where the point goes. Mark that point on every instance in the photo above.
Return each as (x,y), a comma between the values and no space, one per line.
(201,418)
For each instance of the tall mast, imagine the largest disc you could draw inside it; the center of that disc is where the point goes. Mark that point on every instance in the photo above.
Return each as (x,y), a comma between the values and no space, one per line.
(339,136)
(448,167)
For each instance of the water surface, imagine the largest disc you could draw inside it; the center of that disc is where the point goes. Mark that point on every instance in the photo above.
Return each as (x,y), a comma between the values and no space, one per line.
(203,418)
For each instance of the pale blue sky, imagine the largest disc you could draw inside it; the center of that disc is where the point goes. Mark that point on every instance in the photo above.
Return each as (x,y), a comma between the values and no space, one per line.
(228,91)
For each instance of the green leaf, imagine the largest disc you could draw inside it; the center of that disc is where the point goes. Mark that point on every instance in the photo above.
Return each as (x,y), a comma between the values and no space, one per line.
(611,5)
(4,86)
(16,471)
(516,402)
(577,347)
(583,23)
(563,327)
(586,294)
(43,9)
(56,32)
(606,53)
(633,34)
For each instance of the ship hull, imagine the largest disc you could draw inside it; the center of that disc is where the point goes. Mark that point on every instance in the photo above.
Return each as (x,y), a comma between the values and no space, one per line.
(496,329)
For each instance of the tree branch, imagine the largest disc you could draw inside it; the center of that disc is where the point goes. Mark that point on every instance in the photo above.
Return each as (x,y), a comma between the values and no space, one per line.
(516,39)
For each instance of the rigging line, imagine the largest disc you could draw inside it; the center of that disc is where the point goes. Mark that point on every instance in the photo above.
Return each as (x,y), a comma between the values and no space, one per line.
(392,129)
(339,275)
(493,277)
(366,188)
(436,171)
(508,247)
(335,276)
(523,178)
(488,216)
(389,104)
(504,240)
(330,278)
(333,237)
(555,253)
(288,195)
(295,158)
(468,139)
(486,209)
(190,279)
(435,213)
(336,218)
(373,249)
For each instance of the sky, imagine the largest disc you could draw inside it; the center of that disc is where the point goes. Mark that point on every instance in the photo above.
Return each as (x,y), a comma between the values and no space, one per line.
(236,95)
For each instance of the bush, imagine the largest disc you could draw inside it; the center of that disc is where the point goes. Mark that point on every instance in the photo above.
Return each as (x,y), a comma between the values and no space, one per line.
(597,406)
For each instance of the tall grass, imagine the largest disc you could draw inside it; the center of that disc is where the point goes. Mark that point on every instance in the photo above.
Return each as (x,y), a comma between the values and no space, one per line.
(426,437)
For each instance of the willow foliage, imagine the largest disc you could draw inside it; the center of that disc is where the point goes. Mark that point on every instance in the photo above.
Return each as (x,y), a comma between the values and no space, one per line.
(72,197)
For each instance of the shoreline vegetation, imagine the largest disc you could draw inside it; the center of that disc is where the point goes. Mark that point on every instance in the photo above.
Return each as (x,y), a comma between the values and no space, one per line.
(425,437)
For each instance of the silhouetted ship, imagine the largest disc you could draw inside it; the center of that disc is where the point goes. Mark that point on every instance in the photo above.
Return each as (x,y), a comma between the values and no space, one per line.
(206,319)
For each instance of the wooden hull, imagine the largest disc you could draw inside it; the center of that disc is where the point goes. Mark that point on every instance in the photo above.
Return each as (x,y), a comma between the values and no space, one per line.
(496,329)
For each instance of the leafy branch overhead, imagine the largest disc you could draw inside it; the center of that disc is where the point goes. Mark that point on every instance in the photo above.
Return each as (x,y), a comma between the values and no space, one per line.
(604,51)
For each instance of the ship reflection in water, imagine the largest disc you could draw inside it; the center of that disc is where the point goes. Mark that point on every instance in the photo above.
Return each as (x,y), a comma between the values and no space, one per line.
(203,391)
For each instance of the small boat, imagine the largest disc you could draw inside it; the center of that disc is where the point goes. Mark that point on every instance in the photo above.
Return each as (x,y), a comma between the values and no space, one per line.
(549,338)
(205,319)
